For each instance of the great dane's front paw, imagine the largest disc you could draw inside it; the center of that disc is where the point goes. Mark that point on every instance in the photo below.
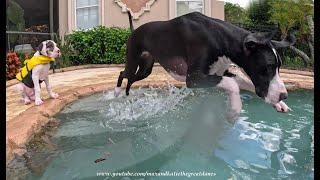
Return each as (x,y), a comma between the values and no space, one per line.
(54,95)
(282,107)
(232,115)
(117,91)
(38,102)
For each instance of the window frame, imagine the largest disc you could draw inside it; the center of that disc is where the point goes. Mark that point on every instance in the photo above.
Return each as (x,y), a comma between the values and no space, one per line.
(99,4)
(176,5)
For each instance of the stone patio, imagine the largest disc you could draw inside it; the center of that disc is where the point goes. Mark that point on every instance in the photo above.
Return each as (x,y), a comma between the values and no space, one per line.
(22,121)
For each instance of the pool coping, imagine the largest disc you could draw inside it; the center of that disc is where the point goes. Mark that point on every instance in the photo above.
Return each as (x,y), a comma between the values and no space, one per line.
(89,66)
(73,68)
(19,131)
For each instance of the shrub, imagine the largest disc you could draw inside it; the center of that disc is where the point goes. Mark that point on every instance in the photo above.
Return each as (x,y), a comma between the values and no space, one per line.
(99,45)
(67,53)
(23,56)
(12,65)
(295,63)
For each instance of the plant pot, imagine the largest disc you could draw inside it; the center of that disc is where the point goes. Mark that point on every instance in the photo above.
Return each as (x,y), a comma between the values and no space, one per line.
(24,48)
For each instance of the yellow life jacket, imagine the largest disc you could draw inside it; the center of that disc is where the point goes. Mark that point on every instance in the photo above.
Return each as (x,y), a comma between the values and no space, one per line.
(31,63)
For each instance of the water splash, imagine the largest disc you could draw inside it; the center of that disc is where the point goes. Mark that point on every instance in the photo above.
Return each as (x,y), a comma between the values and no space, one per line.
(287,162)
(311,133)
(134,111)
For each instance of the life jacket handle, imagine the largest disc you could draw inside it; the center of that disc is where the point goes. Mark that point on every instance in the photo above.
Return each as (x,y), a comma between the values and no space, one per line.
(27,70)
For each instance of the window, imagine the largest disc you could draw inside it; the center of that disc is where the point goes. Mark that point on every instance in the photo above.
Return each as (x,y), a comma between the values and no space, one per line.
(187,6)
(87,14)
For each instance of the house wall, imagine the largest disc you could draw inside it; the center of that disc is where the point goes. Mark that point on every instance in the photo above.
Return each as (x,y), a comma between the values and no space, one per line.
(63,17)
(161,10)
(217,9)
(115,17)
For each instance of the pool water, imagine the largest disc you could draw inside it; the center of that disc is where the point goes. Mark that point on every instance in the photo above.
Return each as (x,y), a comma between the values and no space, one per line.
(181,130)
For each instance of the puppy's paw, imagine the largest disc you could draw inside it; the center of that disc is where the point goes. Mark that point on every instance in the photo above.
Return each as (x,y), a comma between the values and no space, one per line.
(38,102)
(282,107)
(27,101)
(54,95)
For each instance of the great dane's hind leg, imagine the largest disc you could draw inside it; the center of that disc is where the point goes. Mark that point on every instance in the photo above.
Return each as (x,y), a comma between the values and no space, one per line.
(145,66)
(117,89)
(130,82)
(146,62)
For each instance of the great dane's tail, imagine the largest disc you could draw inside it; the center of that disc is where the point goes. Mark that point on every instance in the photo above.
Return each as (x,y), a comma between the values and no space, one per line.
(130,21)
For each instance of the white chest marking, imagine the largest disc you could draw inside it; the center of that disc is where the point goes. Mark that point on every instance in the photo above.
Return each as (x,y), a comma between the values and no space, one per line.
(41,70)
(220,66)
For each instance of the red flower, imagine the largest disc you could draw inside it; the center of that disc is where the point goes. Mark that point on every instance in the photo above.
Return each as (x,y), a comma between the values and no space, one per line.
(12,64)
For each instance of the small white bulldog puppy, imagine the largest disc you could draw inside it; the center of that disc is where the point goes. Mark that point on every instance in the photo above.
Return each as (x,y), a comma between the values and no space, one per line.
(35,71)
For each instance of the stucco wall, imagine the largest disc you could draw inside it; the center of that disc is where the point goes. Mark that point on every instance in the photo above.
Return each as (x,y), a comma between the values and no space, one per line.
(63,17)
(217,10)
(161,10)
(115,17)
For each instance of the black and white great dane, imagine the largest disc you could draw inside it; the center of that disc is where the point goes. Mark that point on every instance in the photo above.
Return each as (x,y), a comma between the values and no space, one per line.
(198,50)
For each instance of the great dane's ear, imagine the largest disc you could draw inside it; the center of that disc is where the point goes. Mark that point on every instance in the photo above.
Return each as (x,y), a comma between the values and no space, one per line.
(286,42)
(254,39)
(42,48)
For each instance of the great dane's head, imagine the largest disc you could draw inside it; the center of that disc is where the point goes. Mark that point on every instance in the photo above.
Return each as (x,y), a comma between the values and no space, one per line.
(262,65)
(49,48)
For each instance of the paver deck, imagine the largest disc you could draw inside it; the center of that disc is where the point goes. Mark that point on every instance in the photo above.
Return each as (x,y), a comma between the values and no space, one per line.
(22,121)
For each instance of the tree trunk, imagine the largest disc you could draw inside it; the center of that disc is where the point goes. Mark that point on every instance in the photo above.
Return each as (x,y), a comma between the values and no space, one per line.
(311,42)
(311,27)
(311,50)
(300,53)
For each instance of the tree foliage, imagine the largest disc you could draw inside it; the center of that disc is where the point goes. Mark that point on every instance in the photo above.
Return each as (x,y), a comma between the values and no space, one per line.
(297,15)
(15,16)
(291,14)
(259,12)
(288,15)
(234,13)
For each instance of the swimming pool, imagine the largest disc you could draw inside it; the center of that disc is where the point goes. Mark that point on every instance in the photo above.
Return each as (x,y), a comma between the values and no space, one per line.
(179,130)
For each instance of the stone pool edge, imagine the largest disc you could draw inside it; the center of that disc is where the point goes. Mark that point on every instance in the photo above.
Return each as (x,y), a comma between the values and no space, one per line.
(21,129)
(88,66)
(74,68)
